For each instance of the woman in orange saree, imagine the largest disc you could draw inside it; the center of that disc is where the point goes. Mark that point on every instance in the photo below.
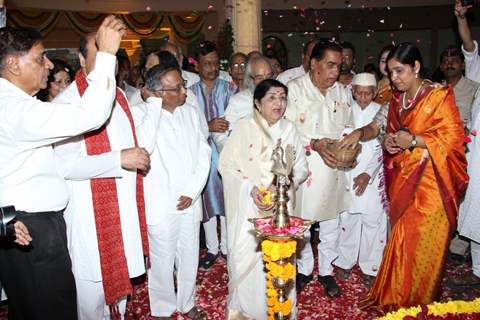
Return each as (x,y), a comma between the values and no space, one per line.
(427,179)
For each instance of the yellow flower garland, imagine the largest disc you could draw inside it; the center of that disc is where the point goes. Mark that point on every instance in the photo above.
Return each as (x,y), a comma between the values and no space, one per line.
(272,252)
(277,250)
(437,309)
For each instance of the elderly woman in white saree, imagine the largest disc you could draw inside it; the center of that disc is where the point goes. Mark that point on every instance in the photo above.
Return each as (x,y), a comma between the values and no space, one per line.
(245,165)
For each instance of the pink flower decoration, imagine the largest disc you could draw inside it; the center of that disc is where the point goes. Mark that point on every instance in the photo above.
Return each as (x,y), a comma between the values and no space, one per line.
(467,139)
(473,133)
(265,225)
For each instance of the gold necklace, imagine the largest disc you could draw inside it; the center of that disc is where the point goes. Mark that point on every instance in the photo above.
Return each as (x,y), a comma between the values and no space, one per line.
(412,101)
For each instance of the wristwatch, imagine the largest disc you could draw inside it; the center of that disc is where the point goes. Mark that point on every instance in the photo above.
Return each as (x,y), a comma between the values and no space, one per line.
(413,144)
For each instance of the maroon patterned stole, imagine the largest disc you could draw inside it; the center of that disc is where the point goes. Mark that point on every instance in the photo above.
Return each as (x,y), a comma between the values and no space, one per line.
(116,280)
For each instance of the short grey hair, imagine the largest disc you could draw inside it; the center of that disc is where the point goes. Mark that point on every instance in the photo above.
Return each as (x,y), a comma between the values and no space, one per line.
(247,79)
(153,78)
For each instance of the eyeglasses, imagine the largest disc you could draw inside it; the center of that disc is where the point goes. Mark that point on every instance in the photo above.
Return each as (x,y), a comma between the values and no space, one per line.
(238,66)
(176,89)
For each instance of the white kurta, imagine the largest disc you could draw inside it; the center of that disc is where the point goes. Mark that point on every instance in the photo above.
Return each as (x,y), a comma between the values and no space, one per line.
(244,163)
(324,195)
(78,168)
(180,164)
(291,74)
(364,226)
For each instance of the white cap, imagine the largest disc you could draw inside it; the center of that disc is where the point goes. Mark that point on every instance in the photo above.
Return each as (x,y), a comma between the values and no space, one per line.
(364,79)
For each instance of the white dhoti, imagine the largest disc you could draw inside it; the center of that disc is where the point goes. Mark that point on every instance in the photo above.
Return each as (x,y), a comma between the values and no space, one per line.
(174,244)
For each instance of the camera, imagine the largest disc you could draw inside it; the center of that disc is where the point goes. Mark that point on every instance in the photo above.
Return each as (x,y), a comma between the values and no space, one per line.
(7,219)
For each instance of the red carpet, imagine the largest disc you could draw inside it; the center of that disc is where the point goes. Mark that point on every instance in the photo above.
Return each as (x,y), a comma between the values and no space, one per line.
(312,302)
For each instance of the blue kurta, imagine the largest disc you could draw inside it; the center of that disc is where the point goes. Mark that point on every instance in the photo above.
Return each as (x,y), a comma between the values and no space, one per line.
(213,106)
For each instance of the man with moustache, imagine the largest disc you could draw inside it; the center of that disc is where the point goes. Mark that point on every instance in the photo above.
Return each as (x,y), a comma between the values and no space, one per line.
(107,232)
(213,95)
(320,107)
(38,278)
(452,65)
(348,63)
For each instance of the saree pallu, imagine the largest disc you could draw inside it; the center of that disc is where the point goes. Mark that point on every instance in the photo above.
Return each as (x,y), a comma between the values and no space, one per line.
(425,189)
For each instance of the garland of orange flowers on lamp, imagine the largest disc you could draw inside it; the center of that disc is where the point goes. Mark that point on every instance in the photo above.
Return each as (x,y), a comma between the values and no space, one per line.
(274,252)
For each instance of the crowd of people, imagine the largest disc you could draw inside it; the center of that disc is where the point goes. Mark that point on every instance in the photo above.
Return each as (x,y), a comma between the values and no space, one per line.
(114,169)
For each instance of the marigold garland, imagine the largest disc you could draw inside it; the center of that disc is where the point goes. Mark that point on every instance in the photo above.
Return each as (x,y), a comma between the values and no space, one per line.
(277,250)
(437,309)
(273,251)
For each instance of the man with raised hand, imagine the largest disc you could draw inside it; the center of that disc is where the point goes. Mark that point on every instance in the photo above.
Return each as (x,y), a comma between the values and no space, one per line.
(106,223)
(38,278)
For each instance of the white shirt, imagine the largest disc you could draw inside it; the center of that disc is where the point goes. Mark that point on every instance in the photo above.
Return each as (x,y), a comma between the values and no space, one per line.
(291,74)
(29,179)
(472,63)
(79,168)
(191,77)
(180,163)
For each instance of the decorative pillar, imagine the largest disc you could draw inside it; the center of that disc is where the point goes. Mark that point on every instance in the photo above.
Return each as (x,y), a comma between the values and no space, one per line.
(246,19)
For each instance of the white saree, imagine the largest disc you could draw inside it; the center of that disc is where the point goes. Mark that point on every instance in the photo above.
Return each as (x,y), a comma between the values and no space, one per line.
(245,162)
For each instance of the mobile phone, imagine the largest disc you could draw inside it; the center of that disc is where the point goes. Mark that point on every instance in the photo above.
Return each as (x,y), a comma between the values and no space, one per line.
(468,3)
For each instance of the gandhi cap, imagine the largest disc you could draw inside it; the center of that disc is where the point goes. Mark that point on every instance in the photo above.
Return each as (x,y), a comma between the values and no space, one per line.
(364,79)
